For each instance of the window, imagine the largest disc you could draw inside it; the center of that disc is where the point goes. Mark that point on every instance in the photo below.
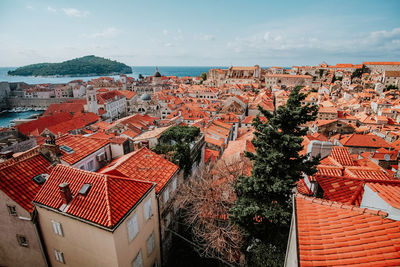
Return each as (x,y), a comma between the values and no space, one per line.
(90,165)
(174,184)
(12,210)
(59,256)
(150,244)
(22,241)
(147,209)
(57,228)
(138,261)
(166,195)
(133,227)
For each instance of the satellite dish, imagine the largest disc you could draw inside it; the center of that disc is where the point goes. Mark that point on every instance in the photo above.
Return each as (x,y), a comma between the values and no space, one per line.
(386,157)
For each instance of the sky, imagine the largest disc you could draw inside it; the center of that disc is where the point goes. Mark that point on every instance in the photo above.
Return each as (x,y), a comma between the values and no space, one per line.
(200,33)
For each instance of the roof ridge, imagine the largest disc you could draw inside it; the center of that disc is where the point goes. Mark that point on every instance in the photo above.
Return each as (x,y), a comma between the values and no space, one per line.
(340,205)
(108,202)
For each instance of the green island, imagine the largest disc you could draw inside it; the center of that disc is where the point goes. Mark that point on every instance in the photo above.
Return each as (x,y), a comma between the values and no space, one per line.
(84,66)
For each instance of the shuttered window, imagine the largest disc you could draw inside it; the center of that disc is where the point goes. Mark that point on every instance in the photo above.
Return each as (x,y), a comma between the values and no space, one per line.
(133,227)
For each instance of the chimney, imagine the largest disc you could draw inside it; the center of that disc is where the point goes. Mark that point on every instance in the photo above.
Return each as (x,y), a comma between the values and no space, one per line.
(65,193)
(51,150)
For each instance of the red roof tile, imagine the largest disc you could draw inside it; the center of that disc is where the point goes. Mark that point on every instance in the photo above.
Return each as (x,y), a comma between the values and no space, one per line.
(340,189)
(342,155)
(388,191)
(107,201)
(143,164)
(334,234)
(368,140)
(43,122)
(82,146)
(16,178)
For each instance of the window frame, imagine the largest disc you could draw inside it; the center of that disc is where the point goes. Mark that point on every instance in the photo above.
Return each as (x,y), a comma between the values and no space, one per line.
(20,239)
(152,244)
(147,214)
(132,220)
(12,210)
(59,255)
(134,263)
(57,228)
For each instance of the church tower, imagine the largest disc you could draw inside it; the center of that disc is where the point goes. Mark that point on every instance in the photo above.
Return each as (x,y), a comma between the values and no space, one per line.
(156,77)
(91,99)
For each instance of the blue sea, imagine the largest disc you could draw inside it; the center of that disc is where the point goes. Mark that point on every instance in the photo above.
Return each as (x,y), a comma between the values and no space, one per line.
(144,70)
(7,117)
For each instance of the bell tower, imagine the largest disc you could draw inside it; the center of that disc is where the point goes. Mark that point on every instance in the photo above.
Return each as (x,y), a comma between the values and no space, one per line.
(91,99)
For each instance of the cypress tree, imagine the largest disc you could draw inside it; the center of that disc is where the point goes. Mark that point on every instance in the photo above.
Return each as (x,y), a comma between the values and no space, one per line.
(263,207)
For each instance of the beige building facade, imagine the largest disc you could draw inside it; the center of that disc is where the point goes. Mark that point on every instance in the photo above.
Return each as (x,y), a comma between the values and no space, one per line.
(20,243)
(71,241)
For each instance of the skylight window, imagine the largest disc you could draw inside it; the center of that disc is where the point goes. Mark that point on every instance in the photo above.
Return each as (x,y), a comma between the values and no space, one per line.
(67,149)
(85,189)
(40,178)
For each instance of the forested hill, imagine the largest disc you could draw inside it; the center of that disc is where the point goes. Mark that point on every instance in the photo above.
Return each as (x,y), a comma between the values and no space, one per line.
(84,66)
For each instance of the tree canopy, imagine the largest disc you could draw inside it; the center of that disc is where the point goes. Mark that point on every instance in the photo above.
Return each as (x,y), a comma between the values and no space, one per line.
(263,207)
(84,66)
(176,140)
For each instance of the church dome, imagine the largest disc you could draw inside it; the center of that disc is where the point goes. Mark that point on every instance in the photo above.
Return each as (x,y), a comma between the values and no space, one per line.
(145,97)
(157,74)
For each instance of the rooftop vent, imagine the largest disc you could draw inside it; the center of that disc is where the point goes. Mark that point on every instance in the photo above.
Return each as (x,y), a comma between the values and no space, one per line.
(40,178)
(67,149)
(85,189)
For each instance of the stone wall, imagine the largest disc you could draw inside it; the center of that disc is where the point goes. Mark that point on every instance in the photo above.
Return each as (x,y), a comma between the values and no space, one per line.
(32,102)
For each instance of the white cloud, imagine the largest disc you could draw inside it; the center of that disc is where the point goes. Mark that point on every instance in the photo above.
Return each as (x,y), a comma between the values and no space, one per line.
(29,7)
(50,9)
(72,12)
(165,32)
(295,43)
(205,37)
(169,45)
(106,33)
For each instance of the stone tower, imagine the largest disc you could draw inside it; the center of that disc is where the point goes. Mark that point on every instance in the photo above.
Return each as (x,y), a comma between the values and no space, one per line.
(91,99)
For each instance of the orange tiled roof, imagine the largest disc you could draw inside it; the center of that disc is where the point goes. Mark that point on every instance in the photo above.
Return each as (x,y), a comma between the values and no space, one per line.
(43,122)
(342,155)
(106,203)
(334,234)
(388,191)
(82,146)
(210,153)
(16,178)
(143,164)
(362,172)
(360,140)
(340,189)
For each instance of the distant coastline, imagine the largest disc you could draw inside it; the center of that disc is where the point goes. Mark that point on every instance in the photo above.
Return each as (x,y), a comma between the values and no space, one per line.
(180,71)
(79,67)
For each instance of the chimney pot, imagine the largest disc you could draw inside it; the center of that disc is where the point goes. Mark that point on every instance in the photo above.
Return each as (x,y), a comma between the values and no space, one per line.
(65,193)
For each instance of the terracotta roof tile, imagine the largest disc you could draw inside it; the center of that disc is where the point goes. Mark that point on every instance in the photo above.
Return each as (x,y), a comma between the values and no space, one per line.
(82,146)
(342,155)
(107,201)
(332,234)
(143,164)
(368,140)
(16,178)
